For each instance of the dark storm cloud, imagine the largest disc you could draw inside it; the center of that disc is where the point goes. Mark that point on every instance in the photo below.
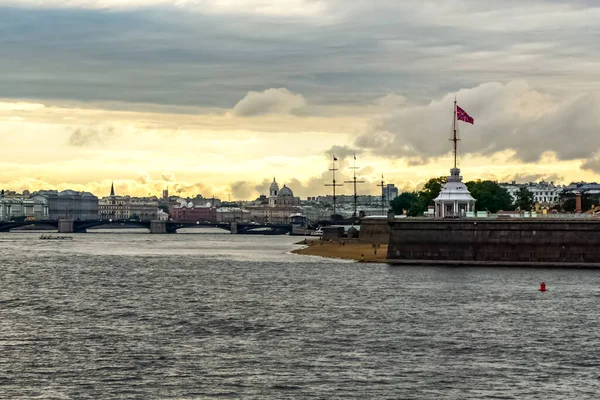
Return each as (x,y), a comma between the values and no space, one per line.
(352,52)
(592,164)
(342,152)
(344,53)
(514,116)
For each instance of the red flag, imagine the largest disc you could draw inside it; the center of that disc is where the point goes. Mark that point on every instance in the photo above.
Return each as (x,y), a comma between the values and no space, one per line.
(462,115)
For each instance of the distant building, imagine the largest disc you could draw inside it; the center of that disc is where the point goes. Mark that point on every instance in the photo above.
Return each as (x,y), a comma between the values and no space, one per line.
(277,208)
(591,188)
(189,212)
(281,198)
(14,207)
(366,200)
(68,204)
(389,192)
(272,215)
(126,207)
(233,214)
(544,193)
(162,216)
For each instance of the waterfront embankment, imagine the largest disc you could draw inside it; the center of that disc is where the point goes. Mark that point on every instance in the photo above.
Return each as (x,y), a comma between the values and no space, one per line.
(350,250)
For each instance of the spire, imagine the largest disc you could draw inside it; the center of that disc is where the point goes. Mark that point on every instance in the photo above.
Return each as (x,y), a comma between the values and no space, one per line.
(112,189)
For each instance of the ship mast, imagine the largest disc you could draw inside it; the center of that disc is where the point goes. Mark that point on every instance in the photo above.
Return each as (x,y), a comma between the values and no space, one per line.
(354,168)
(382,185)
(333,185)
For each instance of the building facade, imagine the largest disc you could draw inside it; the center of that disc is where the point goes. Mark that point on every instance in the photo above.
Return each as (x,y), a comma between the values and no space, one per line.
(389,192)
(126,207)
(233,214)
(189,212)
(272,215)
(15,207)
(68,204)
(544,193)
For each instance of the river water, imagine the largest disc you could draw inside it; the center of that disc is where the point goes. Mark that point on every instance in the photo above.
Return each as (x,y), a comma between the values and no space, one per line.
(139,316)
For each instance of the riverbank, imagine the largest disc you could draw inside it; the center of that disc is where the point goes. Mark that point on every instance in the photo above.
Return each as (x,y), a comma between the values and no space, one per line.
(363,252)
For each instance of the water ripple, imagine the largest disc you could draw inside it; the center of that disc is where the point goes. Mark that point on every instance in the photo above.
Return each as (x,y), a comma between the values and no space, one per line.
(198,316)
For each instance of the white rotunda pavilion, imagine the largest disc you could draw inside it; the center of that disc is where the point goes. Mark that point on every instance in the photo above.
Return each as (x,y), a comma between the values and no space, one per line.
(454,200)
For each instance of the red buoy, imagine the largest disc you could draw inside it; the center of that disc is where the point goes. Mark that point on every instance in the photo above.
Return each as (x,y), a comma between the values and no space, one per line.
(543,287)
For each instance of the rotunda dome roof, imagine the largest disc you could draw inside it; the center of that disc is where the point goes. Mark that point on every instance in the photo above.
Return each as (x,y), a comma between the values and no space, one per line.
(286,192)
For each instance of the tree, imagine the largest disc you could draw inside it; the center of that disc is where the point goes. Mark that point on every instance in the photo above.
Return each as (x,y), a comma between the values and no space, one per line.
(524,200)
(404,202)
(433,187)
(425,196)
(490,196)
(568,201)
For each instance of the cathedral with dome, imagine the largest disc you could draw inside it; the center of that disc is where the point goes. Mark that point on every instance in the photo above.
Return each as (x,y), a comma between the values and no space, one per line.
(278,207)
(283,197)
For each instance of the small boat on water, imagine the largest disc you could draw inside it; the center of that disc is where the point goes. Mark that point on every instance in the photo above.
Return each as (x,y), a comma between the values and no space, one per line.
(51,237)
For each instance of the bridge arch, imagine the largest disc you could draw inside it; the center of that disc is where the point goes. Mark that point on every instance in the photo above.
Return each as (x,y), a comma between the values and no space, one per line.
(83,226)
(8,226)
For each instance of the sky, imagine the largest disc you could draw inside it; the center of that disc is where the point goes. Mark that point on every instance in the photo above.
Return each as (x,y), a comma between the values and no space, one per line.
(217,97)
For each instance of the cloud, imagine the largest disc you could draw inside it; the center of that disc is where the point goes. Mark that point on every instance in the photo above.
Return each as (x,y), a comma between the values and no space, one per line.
(242,190)
(189,189)
(511,116)
(343,53)
(271,101)
(342,152)
(91,136)
(20,106)
(261,7)
(169,177)
(592,164)
(526,178)
(144,179)
(391,102)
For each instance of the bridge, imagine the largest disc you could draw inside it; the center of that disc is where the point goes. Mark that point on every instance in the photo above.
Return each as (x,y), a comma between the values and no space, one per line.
(70,226)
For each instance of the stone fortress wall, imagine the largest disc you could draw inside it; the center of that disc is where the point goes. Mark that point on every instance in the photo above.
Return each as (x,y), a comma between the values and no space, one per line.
(501,242)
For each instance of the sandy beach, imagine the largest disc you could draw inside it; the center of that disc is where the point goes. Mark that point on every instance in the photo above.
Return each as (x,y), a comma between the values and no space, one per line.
(353,251)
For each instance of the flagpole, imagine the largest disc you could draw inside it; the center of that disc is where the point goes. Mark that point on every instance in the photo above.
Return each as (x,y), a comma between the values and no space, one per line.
(454,139)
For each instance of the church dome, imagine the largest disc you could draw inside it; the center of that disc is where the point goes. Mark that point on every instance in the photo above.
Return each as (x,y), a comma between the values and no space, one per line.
(286,192)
